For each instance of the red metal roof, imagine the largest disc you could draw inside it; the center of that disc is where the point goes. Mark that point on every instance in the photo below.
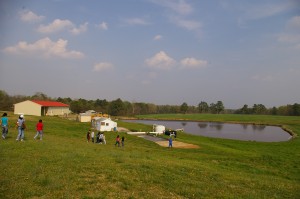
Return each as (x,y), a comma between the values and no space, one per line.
(50,103)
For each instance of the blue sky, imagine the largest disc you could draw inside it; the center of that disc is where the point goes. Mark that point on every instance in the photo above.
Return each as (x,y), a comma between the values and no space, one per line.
(153,51)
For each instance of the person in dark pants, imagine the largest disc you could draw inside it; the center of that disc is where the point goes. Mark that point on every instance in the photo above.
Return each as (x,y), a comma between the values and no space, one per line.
(117,141)
(123,140)
(88,136)
(4,125)
(170,142)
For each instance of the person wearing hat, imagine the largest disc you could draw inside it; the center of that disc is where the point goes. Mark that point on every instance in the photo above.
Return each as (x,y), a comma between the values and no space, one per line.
(21,128)
(4,124)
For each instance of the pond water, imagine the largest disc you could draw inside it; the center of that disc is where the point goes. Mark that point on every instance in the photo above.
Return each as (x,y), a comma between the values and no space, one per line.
(247,132)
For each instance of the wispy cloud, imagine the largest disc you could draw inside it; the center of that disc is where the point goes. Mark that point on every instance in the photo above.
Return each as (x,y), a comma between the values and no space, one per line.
(61,25)
(265,78)
(291,34)
(136,21)
(186,24)
(46,48)
(192,63)
(178,6)
(289,38)
(82,28)
(29,16)
(180,14)
(103,66)
(102,26)
(267,10)
(263,10)
(294,23)
(157,37)
(160,61)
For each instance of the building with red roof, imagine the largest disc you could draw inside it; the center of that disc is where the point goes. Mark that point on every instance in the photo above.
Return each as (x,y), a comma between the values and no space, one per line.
(41,108)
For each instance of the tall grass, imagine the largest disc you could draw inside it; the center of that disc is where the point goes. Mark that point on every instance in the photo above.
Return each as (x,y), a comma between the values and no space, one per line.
(64,165)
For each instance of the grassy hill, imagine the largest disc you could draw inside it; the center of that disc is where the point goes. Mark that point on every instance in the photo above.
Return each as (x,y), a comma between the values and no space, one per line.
(64,165)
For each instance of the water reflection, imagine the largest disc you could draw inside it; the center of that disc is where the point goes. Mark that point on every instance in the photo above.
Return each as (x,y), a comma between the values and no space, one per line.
(245,126)
(202,125)
(225,130)
(258,127)
(217,126)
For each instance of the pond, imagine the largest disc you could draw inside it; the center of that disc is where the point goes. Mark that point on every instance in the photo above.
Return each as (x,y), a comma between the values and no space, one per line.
(248,132)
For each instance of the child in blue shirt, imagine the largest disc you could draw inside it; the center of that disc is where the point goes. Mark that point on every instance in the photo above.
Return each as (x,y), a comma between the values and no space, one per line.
(4,125)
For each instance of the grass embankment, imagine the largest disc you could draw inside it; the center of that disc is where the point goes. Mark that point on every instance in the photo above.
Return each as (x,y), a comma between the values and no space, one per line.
(64,165)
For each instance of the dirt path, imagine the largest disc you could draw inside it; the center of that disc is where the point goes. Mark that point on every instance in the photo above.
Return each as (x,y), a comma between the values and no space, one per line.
(177,144)
(165,143)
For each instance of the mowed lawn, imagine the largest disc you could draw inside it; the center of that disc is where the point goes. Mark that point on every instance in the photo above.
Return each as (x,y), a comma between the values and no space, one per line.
(64,165)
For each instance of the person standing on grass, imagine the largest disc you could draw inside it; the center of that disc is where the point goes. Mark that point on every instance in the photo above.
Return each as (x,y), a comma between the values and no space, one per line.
(39,130)
(4,125)
(100,138)
(97,137)
(103,137)
(117,141)
(123,140)
(170,142)
(88,136)
(93,136)
(21,128)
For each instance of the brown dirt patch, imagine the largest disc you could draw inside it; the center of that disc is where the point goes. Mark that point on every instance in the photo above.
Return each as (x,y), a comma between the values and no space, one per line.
(122,129)
(177,144)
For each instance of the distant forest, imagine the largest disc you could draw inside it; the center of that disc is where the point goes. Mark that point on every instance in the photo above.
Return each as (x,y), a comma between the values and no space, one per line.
(119,107)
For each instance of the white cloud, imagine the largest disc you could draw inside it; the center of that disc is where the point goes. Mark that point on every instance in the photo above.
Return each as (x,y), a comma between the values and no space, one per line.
(294,22)
(82,28)
(157,37)
(191,62)
(265,78)
(160,61)
(152,75)
(61,25)
(180,11)
(103,66)
(55,26)
(267,10)
(289,38)
(179,6)
(46,48)
(136,21)
(187,24)
(29,16)
(291,34)
(102,26)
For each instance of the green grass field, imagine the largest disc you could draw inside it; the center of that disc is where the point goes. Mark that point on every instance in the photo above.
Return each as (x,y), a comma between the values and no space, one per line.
(64,165)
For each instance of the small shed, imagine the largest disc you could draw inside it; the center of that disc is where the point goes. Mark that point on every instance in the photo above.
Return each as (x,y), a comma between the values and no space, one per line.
(103,124)
(84,117)
(40,108)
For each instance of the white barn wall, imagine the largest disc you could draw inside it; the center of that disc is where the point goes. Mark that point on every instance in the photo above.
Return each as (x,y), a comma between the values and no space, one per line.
(32,108)
(28,108)
(58,111)
(85,118)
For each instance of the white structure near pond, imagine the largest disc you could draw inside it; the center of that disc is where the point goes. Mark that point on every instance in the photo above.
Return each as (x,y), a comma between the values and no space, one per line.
(158,129)
(103,124)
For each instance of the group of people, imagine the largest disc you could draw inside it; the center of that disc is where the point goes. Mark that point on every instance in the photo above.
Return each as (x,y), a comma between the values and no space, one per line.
(21,126)
(118,141)
(100,137)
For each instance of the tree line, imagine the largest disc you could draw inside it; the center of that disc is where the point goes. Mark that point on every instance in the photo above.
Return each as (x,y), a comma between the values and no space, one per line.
(119,107)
